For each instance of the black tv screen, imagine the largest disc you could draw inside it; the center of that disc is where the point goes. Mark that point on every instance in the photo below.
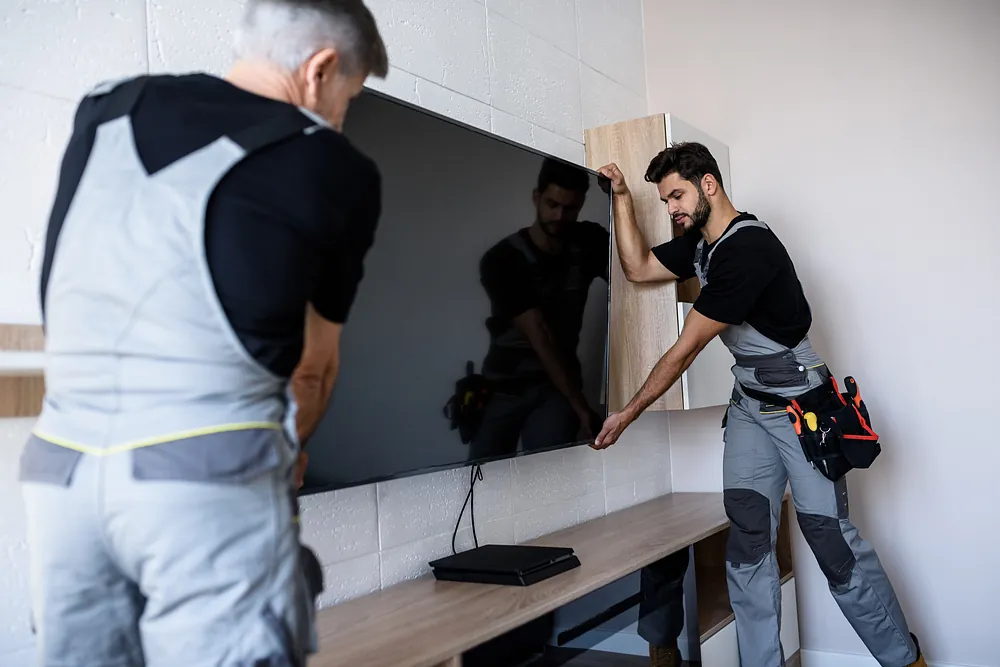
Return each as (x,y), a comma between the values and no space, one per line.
(480,328)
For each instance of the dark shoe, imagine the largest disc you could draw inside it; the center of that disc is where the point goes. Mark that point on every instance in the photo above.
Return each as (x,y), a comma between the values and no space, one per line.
(920,657)
(664,656)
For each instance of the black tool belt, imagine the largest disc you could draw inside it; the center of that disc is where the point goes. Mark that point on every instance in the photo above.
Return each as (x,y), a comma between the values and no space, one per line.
(834,428)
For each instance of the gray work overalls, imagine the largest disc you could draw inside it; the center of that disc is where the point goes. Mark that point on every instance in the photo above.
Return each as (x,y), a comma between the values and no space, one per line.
(158,479)
(762,454)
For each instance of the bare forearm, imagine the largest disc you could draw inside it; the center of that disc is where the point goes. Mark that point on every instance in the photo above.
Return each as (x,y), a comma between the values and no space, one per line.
(312,395)
(632,247)
(665,373)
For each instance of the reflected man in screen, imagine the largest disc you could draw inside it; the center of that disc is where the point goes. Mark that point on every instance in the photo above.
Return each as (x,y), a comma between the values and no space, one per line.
(537,280)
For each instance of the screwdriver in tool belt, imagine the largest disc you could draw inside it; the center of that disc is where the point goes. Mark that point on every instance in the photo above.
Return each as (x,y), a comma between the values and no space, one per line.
(852,391)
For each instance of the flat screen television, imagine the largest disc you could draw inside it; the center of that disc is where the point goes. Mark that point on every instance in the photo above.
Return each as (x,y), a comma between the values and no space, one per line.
(472,272)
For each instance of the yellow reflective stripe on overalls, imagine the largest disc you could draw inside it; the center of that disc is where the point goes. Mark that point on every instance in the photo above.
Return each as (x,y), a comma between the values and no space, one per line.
(137,444)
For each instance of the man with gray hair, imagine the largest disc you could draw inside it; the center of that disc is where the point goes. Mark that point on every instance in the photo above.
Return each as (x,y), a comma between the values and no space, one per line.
(203,251)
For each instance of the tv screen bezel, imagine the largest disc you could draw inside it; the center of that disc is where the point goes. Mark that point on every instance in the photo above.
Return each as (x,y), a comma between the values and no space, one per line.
(605,188)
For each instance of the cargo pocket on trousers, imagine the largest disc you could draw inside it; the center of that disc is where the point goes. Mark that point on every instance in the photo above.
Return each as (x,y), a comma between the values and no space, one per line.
(46,463)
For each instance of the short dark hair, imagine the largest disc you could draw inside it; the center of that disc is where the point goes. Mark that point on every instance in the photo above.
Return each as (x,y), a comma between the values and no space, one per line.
(690,160)
(563,175)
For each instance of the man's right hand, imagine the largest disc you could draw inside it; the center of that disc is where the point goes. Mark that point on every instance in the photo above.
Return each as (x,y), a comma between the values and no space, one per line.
(617,178)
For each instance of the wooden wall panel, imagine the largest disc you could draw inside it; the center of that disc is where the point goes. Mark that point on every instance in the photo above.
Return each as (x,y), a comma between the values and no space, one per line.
(21,395)
(643,317)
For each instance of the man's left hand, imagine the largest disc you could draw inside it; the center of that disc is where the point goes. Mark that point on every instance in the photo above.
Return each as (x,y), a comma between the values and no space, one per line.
(614,426)
(300,469)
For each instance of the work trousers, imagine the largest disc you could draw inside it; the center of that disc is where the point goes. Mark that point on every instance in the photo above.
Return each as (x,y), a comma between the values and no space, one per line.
(762,454)
(129,572)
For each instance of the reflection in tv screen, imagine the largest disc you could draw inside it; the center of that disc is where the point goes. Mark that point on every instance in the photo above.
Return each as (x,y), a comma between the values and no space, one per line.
(479,331)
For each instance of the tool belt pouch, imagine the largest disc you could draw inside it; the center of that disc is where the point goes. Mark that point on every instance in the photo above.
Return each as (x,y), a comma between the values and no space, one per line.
(843,439)
(466,406)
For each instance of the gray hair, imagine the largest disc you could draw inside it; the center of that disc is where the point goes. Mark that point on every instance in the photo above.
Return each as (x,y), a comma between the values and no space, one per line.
(287,32)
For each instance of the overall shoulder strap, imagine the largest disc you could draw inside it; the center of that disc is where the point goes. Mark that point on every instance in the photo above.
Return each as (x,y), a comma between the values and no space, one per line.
(276,129)
(742,224)
(122,96)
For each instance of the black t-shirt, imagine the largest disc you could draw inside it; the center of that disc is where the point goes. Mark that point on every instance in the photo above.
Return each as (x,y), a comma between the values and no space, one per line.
(556,284)
(288,225)
(751,279)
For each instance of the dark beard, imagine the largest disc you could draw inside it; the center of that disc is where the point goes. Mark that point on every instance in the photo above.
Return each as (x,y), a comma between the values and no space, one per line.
(702,212)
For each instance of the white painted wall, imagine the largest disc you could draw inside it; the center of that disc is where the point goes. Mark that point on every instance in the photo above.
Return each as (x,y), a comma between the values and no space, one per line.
(537,72)
(868,135)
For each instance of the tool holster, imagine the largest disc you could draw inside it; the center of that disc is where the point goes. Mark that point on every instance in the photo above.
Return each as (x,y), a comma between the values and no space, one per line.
(834,427)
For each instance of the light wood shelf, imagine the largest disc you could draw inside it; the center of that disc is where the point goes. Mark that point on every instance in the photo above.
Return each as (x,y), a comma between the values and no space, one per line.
(22,384)
(424,622)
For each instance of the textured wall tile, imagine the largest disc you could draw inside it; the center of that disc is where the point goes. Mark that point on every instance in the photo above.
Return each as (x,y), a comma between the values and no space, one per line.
(697,449)
(410,560)
(558,145)
(652,487)
(15,609)
(551,477)
(606,101)
(620,497)
(443,41)
(511,127)
(618,23)
(65,47)
(453,105)
(533,80)
(191,35)
(643,451)
(34,130)
(401,85)
(525,133)
(552,20)
(341,525)
(548,519)
(349,579)
(414,508)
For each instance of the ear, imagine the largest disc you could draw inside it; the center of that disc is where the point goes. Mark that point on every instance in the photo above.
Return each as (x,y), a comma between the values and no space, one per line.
(709,185)
(319,68)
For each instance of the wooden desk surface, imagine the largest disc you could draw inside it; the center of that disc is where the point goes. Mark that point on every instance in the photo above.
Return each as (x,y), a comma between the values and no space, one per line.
(425,622)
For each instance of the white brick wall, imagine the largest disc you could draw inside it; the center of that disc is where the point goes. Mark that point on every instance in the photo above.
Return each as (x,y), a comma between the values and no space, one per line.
(535,71)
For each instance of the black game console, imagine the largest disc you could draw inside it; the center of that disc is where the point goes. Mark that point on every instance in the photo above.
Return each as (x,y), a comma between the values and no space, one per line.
(505,564)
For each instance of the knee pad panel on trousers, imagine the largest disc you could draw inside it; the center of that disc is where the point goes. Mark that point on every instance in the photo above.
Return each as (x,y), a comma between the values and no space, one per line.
(827,542)
(749,513)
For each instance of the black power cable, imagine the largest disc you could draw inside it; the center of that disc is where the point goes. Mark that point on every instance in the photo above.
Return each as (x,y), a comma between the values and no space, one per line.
(475,475)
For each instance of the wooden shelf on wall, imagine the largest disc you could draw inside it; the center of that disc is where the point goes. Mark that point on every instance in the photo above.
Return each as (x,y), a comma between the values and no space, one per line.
(22,384)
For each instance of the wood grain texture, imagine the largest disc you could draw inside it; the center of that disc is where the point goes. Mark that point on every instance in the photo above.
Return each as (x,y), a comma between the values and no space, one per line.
(21,338)
(643,317)
(424,622)
(21,396)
